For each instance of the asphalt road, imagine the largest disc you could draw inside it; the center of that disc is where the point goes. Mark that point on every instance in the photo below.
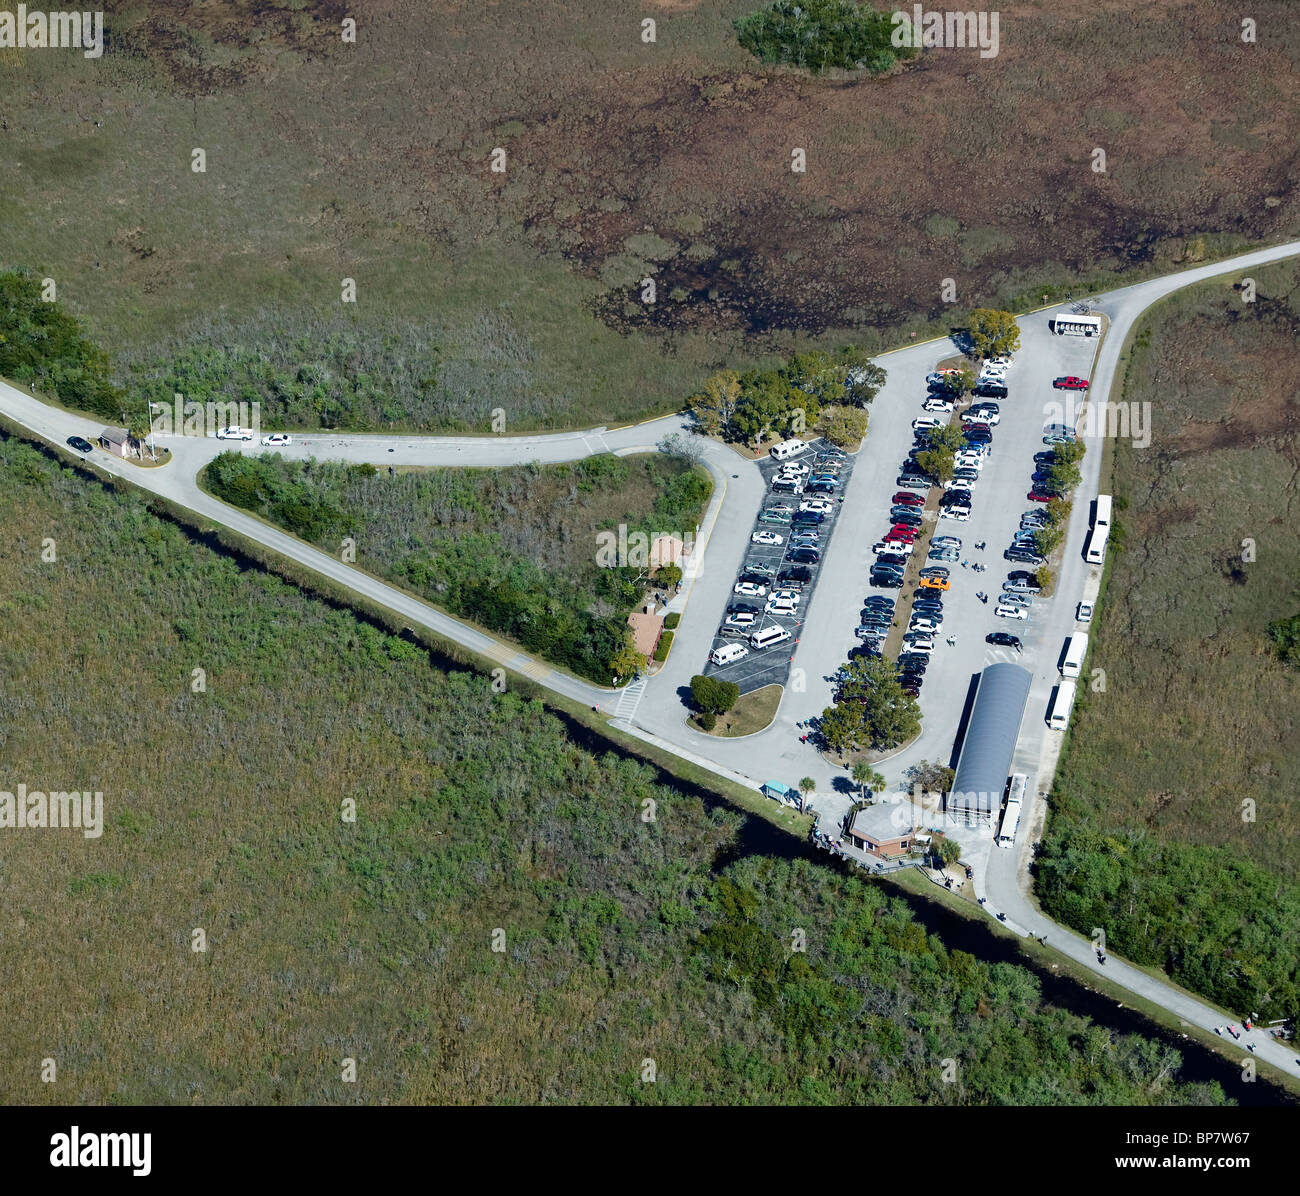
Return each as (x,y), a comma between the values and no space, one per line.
(831,614)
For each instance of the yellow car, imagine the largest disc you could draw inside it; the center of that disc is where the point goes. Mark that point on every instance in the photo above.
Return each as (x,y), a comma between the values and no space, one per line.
(934,583)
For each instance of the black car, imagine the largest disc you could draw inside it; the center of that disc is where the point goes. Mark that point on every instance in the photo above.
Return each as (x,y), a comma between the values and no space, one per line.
(744,608)
(82,446)
(991,390)
(813,517)
(978,435)
(955,498)
(926,608)
(1024,577)
(796,575)
(805,556)
(887,581)
(880,602)
(1004,638)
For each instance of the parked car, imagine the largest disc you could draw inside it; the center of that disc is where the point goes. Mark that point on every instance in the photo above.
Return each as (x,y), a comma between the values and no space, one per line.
(808,518)
(773,516)
(819,506)
(234,433)
(887,581)
(956,514)
(276,440)
(937,406)
(804,556)
(750,589)
(80,445)
(991,390)
(898,547)
(766,537)
(1004,639)
(907,499)
(740,619)
(925,422)
(934,583)
(943,554)
(1037,495)
(1025,576)
(934,571)
(795,577)
(1071,383)
(919,642)
(1084,613)
(1009,610)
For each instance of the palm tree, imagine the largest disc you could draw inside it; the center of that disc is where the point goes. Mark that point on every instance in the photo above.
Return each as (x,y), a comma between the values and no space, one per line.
(867,779)
(806,786)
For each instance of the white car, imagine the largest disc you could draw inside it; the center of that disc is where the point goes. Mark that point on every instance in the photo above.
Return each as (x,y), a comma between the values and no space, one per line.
(741,618)
(1005,359)
(1085,612)
(788,609)
(766,537)
(790,596)
(925,423)
(234,433)
(750,589)
(929,626)
(276,440)
(819,506)
(994,365)
(945,542)
(918,642)
(957,514)
(936,404)
(982,415)
(1011,610)
(793,469)
(899,546)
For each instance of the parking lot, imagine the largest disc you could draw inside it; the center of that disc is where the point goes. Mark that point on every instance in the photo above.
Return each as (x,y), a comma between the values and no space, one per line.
(780,568)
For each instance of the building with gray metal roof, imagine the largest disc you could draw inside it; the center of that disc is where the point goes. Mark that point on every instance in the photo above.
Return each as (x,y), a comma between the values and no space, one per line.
(990,743)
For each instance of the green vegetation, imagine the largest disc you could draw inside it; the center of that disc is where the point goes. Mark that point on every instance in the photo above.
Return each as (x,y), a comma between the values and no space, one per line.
(42,347)
(871,711)
(531,552)
(789,399)
(819,34)
(1285,634)
(662,647)
(372,938)
(1175,817)
(993,333)
(712,696)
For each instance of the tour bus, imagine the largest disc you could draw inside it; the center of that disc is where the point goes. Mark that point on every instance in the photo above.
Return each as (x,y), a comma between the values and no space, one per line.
(1076,648)
(1064,323)
(1058,717)
(1096,553)
(787,449)
(1102,518)
(1015,803)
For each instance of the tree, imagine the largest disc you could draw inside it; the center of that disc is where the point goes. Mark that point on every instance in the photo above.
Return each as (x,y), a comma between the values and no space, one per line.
(969,379)
(843,426)
(866,778)
(931,777)
(871,710)
(863,379)
(807,786)
(1047,538)
(948,850)
(627,662)
(946,436)
(1043,575)
(668,575)
(938,463)
(713,696)
(993,333)
(716,402)
(1063,476)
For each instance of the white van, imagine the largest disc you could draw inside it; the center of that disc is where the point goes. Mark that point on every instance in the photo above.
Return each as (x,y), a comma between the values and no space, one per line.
(728,654)
(788,448)
(1058,717)
(767,637)
(1076,648)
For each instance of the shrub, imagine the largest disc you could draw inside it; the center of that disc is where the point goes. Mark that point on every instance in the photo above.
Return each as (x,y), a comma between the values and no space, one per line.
(817,34)
(661,649)
(671,619)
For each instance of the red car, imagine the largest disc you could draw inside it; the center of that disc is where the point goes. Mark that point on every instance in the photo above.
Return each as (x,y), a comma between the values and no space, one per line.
(900,532)
(1071,383)
(909,498)
(1037,496)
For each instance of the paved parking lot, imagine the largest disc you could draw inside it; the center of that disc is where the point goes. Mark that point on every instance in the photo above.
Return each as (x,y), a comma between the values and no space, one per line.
(768,666)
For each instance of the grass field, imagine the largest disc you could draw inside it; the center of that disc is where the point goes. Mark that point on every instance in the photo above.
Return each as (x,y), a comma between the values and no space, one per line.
(478,819)
(625,160)
(1175,818)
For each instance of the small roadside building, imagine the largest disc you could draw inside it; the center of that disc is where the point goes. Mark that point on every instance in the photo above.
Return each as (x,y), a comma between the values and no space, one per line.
(647,627)
(786,794)
(884,831)
(116,441)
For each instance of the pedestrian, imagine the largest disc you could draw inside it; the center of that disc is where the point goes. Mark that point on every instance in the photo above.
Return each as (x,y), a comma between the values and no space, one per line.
(963,564)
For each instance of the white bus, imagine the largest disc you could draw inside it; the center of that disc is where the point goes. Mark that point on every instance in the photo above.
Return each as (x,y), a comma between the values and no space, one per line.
(1058,718)
(1096,553)
(1102,518)
(1068,322)
(1076,648)
(788,448)
(1015,804)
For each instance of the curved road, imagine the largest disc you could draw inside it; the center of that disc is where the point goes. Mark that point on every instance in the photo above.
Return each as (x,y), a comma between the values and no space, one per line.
(654,711)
